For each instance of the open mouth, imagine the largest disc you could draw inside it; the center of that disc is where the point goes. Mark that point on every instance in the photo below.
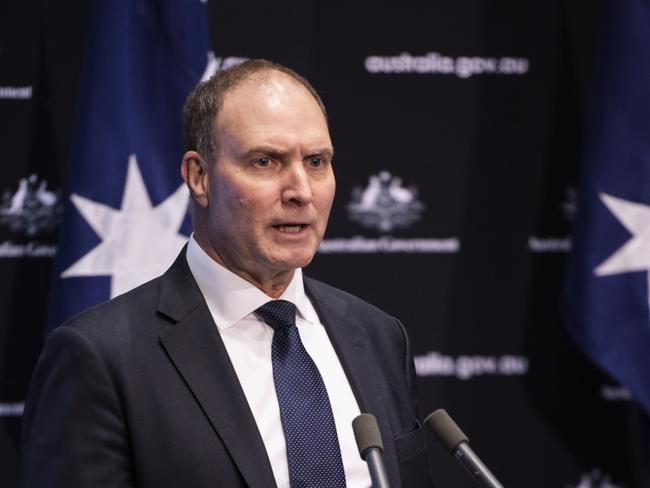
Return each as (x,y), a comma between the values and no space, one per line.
(290,228)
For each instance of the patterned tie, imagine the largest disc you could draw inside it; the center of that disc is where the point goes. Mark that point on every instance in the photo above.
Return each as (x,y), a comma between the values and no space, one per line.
(313,449)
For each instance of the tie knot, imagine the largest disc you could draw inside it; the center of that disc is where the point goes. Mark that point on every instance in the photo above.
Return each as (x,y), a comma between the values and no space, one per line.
(277,313)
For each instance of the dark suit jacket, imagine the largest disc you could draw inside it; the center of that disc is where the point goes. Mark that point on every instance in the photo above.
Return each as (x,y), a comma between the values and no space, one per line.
(140,391)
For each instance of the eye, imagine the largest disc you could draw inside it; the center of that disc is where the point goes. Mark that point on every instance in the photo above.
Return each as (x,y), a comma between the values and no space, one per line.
(263,162)
(316,162)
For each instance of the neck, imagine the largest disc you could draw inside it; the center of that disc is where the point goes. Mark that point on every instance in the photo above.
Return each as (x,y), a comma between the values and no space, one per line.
(271,284)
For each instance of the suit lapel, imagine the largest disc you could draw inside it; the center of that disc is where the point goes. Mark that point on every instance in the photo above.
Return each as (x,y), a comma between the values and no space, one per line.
(196,349)
(354,348)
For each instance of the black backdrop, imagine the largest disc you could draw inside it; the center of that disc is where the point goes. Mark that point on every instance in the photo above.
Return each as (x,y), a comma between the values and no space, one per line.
(457,127)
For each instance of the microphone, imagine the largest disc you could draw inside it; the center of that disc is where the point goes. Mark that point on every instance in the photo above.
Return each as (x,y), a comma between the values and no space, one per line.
(366,432)
(452,438)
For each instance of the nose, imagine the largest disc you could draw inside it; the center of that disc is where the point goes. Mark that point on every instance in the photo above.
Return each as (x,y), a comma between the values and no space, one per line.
(297,190)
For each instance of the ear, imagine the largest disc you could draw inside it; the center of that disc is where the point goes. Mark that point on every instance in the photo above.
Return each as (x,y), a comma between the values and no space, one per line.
(194,170)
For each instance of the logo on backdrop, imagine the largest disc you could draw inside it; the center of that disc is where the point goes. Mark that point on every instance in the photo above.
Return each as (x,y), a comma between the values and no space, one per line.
(615,393)
(15,92)
(385,204)
(32,210)
(466,367)
(595,479)
(568,210)
(12,409)
(433,63)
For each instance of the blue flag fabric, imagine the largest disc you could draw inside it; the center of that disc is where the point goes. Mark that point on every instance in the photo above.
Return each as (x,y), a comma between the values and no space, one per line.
(608,288)
(126,215)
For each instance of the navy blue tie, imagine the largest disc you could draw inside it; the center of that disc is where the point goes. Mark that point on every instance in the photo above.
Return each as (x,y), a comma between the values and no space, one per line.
(313,449)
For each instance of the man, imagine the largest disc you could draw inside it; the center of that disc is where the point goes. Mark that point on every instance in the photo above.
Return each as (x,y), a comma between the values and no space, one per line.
(200,377)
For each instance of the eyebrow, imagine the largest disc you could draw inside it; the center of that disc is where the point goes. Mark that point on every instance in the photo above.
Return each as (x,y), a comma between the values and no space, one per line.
(277,153)
(271,151)
(325,151)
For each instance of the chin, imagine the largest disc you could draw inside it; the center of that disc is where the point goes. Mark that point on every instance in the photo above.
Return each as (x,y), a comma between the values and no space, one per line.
(293,261)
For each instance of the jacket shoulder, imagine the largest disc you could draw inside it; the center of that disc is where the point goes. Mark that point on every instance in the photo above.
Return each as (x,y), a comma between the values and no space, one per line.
(113,317)
(325,291)
(358,310)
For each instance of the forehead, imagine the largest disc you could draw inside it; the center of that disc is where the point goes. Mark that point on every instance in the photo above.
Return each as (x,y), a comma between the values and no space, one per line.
(270,103)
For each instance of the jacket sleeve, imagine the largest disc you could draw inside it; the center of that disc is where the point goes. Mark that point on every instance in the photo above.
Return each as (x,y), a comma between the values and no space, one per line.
(411,447)
(409,367)
(74,432)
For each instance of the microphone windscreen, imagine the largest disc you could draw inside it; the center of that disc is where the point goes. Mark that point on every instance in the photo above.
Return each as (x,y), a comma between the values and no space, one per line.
(445,429)
(366,432)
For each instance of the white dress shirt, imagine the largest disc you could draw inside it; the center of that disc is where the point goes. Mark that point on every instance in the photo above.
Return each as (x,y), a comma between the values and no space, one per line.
(232,301)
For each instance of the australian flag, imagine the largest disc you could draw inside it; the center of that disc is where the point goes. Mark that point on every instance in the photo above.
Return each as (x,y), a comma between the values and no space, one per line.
(608,283)
(126,208)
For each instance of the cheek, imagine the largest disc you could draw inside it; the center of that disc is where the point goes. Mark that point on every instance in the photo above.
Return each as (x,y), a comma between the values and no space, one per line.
(326,198)
(227,211)
(230,196)
(258,199)
(251,212)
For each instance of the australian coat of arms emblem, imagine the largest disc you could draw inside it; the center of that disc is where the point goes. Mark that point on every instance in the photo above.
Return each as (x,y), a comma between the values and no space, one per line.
(385,204)
(32,209)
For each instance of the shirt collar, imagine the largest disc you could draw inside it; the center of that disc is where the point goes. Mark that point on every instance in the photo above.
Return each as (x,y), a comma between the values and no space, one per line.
(231,298)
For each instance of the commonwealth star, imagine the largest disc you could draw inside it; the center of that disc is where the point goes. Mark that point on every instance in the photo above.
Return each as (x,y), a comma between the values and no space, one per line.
(139,241)
(634,255)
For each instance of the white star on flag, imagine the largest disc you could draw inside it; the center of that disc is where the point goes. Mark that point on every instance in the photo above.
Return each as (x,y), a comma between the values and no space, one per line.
(634,255)
(139,241)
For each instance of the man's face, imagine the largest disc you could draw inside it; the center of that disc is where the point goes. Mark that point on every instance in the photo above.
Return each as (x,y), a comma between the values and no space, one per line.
(271,188)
